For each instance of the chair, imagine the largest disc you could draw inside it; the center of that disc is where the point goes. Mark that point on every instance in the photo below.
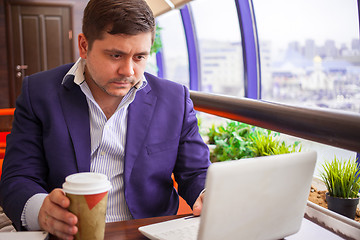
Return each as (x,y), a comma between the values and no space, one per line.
(5,223)
(2,148)
(184,208)
(3,143)
(5,112)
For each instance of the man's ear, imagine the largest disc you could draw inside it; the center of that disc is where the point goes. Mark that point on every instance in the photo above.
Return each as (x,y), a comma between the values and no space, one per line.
(83,45)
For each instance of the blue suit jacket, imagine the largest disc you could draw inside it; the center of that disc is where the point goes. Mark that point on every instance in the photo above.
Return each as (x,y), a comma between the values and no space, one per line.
(50,139)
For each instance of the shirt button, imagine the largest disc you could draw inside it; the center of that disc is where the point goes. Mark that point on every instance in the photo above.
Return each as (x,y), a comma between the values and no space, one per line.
(102,153)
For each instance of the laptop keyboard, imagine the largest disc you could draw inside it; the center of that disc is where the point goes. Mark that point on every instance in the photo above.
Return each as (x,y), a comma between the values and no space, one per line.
(189,232)
(185,228)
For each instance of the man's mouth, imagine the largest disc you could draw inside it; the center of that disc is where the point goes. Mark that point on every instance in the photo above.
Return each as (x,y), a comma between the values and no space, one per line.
(123,81)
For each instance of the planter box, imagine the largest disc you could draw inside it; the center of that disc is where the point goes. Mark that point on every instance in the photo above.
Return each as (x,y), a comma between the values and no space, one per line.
(336,223)
(342,226)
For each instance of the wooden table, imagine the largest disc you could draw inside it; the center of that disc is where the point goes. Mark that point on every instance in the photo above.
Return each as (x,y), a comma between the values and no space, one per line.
(129,229)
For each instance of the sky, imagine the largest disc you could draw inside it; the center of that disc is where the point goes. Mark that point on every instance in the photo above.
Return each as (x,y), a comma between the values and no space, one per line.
(284,20)
(300,19)
(281,21)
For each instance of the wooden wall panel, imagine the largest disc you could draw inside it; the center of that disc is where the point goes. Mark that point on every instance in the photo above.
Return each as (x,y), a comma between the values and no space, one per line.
(4,85)
(76,18)
(53,48)
(31,31)
(6,123)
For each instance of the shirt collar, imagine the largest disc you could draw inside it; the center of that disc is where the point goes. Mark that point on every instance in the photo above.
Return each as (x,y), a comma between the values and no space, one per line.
(77,70)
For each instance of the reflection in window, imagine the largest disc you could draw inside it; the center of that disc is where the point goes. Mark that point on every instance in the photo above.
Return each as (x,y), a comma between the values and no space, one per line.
(176,66)
(219,41)
(310,55)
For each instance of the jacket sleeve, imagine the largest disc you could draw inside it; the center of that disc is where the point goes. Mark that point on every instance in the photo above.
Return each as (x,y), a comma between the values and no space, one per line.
(24,168)
(193,156)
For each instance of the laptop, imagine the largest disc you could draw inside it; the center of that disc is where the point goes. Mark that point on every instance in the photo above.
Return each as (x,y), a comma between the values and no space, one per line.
(25,235)
(255,198)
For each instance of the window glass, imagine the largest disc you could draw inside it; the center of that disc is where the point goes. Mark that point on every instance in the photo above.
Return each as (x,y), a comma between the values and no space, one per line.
(310,56)
(310,52)
(219,42)
(175,57)
(151,66)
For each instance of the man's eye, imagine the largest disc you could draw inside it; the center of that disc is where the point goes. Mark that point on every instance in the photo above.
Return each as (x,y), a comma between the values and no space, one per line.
(140,57)
(115,56)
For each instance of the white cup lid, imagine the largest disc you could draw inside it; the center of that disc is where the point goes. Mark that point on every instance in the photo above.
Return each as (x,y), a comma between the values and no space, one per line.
(86,183)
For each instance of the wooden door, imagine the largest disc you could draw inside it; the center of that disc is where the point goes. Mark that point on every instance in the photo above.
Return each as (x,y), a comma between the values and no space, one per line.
(40,38)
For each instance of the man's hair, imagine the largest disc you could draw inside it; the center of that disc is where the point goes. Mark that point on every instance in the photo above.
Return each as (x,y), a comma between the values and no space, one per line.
(129,17)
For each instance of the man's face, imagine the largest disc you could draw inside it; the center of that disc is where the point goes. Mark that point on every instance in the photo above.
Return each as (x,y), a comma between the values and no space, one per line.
(115,63)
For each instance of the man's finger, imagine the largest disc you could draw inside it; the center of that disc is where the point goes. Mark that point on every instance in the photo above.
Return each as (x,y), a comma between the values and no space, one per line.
(58,197)
(197,207)
(55,218)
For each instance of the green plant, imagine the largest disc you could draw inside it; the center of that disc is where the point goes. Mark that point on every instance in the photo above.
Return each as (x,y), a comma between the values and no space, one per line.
(231,141)
(342,178)
(157,45)
(213,132)
(266,142)
(236,140)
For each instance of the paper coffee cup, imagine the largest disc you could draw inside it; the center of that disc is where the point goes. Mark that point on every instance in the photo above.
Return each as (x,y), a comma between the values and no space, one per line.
(88,199)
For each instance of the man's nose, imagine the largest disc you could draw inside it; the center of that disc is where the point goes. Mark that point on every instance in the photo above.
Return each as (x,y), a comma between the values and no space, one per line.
(126,68)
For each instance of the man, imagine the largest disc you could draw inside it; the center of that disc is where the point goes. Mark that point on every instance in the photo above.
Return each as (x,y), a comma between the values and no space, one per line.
(103,114)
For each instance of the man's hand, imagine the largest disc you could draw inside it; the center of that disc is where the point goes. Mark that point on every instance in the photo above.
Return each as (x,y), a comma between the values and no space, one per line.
(54,216)
(198,205)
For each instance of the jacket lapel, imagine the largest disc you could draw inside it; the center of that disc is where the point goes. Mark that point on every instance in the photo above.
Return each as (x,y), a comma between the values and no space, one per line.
(76,114)
(139,116)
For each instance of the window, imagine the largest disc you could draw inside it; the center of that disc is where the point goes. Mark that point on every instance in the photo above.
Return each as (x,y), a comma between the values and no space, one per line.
(310,55)
(151,65)
(219,43)
(176,64)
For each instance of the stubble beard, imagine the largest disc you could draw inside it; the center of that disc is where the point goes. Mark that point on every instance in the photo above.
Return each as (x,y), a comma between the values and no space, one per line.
(113,91)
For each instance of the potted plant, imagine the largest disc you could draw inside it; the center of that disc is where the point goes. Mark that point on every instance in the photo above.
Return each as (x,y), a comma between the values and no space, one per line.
(342,180)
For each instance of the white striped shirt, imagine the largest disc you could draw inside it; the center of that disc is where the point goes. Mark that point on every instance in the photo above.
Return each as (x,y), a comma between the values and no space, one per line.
(108,137)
